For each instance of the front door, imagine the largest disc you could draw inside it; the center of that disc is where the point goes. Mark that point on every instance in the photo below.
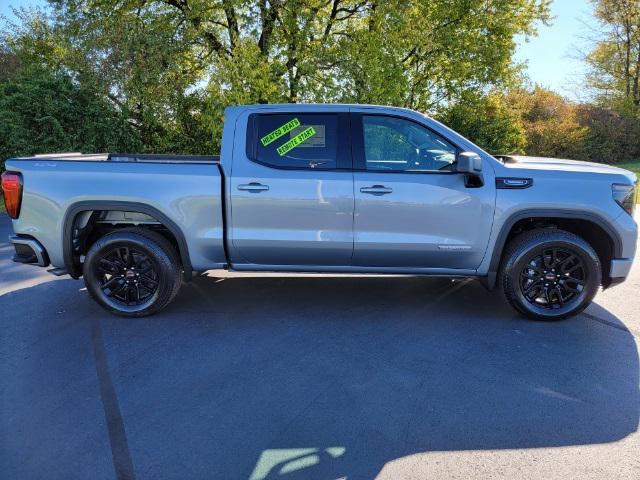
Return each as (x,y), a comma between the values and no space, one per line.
(411,208)
(292,192)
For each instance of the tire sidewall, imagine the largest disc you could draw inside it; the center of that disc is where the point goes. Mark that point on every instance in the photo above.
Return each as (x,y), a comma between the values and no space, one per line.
(518,262)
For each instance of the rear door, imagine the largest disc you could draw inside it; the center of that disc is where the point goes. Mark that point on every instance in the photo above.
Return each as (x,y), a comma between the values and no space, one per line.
(292,191)
(411,208)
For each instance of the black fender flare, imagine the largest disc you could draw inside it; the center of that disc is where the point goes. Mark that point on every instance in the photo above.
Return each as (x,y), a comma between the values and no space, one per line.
(508,224)
(83,206)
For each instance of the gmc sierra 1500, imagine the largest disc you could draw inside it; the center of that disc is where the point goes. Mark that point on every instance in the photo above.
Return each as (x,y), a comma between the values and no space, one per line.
(326,188)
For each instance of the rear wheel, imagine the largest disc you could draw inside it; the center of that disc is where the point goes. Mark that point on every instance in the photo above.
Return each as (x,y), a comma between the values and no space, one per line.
(132,272)
(550,274)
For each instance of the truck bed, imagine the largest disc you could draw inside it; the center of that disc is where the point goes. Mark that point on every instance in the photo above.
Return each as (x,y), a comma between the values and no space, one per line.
(182,192)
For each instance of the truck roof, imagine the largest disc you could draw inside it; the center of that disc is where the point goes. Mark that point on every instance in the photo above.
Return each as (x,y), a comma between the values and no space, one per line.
(327,107)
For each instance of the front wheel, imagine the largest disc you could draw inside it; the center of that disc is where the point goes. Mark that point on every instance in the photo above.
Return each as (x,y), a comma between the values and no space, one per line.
(550,274)
(132,272)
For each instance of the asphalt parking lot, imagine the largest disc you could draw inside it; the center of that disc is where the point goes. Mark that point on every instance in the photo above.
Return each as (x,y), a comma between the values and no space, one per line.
(313,377)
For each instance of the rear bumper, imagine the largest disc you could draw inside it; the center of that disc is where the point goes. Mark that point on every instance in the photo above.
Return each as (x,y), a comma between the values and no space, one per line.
(29,250)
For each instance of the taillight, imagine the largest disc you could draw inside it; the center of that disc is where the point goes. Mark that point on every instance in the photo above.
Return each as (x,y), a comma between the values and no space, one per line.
(12,192)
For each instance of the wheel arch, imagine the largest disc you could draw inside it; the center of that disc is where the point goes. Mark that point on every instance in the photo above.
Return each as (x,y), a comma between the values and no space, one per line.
(603,238)
(78,208)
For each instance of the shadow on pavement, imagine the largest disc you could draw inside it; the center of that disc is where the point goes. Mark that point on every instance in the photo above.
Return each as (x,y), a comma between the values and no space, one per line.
(300,378)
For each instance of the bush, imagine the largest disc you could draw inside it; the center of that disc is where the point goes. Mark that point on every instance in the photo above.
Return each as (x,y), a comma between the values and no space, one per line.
(488,121)
(612,137)
(550,122)
(46,112)
(558,128)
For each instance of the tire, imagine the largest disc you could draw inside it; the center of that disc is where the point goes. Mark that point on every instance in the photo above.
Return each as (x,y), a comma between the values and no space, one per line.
(111,278)
(550,274)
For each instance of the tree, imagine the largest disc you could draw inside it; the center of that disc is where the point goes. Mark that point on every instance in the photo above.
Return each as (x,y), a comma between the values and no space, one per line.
(175,64)
(615,61)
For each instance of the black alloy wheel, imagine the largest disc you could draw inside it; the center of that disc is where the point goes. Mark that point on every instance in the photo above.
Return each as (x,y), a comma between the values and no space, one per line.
(128,276)
(132,272)
(553,277)
(550,274)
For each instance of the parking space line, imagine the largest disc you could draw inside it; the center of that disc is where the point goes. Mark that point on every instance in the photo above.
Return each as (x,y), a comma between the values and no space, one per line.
(122,462)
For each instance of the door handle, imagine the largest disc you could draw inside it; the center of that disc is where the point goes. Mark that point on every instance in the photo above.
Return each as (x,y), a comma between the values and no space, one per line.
(376,190)
(253,187)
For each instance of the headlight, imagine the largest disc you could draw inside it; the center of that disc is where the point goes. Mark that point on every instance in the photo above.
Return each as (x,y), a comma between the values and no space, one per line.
(625,196)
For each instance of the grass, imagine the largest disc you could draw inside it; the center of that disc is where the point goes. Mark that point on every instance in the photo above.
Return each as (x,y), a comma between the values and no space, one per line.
(633,166)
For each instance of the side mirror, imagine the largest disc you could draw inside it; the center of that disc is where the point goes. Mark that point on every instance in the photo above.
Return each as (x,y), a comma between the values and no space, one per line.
(469,163)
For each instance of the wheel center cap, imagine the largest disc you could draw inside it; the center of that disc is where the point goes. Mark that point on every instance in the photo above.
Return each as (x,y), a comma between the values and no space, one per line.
(130,274)
(549,276)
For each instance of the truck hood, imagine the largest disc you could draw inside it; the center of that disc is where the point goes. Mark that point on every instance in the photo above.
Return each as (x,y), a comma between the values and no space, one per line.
(561,164)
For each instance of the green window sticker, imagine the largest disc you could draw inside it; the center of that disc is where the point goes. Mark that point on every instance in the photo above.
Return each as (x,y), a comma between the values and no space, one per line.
(280,131)
(295,141)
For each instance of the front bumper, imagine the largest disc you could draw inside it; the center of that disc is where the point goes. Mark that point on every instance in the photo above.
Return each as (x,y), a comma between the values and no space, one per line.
(29,250)
(620,269)
(627,229)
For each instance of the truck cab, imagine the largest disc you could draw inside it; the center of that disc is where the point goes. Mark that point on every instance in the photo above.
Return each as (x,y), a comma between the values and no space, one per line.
(347,198)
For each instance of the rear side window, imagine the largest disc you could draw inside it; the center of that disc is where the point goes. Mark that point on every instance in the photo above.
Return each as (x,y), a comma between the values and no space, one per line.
(294,140)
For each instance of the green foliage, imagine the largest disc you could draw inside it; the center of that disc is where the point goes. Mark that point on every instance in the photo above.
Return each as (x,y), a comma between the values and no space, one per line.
(383,143)
(611,137)
(156,75)
(614,62)
(424,54)
(171,66)
(551,124)
(43,112)
(489,121)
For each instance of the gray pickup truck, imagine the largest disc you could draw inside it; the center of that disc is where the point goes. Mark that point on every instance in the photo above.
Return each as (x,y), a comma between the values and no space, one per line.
(326,188)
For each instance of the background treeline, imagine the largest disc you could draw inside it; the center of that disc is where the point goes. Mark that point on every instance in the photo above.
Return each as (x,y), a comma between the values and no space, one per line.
(155,75)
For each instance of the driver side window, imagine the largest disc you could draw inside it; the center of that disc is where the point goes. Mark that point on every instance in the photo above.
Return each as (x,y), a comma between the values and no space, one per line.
(395,144)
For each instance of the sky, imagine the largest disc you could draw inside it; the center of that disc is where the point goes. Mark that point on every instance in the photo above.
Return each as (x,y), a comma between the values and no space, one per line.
(549,56)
